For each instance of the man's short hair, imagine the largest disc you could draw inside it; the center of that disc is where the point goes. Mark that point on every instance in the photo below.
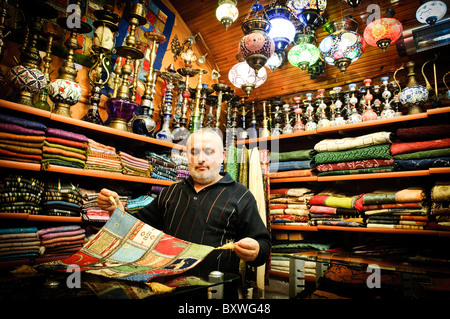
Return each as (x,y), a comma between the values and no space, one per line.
(207,130)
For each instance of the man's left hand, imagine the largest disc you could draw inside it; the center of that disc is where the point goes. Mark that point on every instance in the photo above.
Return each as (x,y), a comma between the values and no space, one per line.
(247,249)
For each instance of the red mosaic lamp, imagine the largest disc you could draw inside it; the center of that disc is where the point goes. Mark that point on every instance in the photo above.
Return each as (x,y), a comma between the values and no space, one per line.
(383,32)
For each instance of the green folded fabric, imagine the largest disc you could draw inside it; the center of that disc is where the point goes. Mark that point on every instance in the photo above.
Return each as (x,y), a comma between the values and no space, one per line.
(371,152)
(292,156)
(64,147)
(382,169)
(440,152)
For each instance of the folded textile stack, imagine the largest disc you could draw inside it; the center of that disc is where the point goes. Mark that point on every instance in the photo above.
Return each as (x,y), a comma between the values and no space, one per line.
(440,206)
(289,205)
(363,154)
(396,208)
(163,166)
(20,139)
(102,157)
(135,204)
(279,264)
(290,164)
(19,243)
(422,147)
(135,166)
(335,208)
(20,194)
(181,165)
(62,200)
(64,148)
(62,241)
(90,210)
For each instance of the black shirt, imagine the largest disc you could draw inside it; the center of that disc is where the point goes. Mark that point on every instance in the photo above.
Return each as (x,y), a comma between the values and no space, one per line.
(218,213)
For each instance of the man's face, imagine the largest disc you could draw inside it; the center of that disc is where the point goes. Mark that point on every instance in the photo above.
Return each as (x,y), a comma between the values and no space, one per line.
(205,157)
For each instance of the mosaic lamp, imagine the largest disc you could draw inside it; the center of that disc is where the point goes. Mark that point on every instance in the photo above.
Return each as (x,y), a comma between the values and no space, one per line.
(243,76)
(431,12)
(227,12)
(276,60)
(282,30)
(307,11)
(344,45)
(304,53)
(383,32)
(256,47)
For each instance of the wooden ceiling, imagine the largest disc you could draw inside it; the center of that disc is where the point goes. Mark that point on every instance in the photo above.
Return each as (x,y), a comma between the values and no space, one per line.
(290,81)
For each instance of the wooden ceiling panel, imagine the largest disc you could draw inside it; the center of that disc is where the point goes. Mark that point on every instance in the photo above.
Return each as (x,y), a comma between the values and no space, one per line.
(289,81)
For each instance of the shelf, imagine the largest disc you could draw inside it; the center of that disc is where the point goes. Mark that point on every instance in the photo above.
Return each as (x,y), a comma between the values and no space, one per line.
(77,124)
(439,233)
(294,179)
(41,218)
(438,111)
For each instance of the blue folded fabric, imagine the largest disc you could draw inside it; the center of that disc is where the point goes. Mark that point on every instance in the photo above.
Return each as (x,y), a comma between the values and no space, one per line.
(22,122)
(289,166)
(418,164)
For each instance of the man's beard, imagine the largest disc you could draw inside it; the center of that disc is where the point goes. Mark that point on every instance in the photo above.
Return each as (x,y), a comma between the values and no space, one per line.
(205,177)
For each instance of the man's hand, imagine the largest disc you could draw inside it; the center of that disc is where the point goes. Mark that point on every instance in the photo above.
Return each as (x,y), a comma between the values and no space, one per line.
(247,249)
(105,203)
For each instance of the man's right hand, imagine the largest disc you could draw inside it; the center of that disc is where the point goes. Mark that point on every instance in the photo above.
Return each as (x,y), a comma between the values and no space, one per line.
(105,203)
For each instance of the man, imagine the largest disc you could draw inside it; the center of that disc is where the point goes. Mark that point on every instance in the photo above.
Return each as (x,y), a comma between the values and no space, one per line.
(208,208)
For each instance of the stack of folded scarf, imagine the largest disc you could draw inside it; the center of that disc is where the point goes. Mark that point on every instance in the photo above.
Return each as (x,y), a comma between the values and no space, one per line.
(20,194)
(396,208)
(90,210)
(422,147)
(336,208)
(163,166)
(19,243)
(291,164)
(181,165)
(64,148)
(20,139)
(440,206)
(289,205)
(135,204)
(62,200)
(102,157)
(368,153)
(132,165)
(62,241)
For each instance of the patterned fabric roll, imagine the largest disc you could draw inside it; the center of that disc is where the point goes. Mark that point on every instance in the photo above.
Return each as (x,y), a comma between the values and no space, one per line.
(348,143)
(371,152)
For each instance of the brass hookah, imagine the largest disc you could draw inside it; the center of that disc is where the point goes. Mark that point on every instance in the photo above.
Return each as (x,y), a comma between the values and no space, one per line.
(103,44)
(265,132)
(144,124)
(120,101)
(243,134)
(67,73)
(195,119)
(51,32)
(30,58)
(220,88)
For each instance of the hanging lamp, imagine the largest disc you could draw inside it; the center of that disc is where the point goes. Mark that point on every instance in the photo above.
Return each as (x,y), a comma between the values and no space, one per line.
(304,53)
(383,32)
(243,76)
(282,29)
(256,47)
(307,12)
(227,12)
(276,60)
(344,45)
(431,12)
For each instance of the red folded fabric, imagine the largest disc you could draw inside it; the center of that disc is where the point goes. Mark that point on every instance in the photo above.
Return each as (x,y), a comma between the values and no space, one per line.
(409,147)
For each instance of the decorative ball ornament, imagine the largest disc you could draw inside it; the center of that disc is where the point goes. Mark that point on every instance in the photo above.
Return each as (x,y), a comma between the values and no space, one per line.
(344,45)
(227,12)
(431,12)
(383,32)
(243,76)
(28,79)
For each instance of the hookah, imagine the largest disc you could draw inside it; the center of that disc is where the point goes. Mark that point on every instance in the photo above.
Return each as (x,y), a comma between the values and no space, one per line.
(339,118)
(323,121)
(252,130)
(51,32)
(169,76)
(102,45)
(179,133)
(287,127)
(310,124)
(211,101)
(220,88)
(120,106)
(369,114)
(387,112)
(195,118)
(354,117)
(243,134)
(276,130)
(144,124)
(299,126)
(265,130)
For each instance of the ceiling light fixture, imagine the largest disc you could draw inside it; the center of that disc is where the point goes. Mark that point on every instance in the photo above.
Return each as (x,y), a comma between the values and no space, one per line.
(245,77)
(383,32)
(431,12)
(227,12)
